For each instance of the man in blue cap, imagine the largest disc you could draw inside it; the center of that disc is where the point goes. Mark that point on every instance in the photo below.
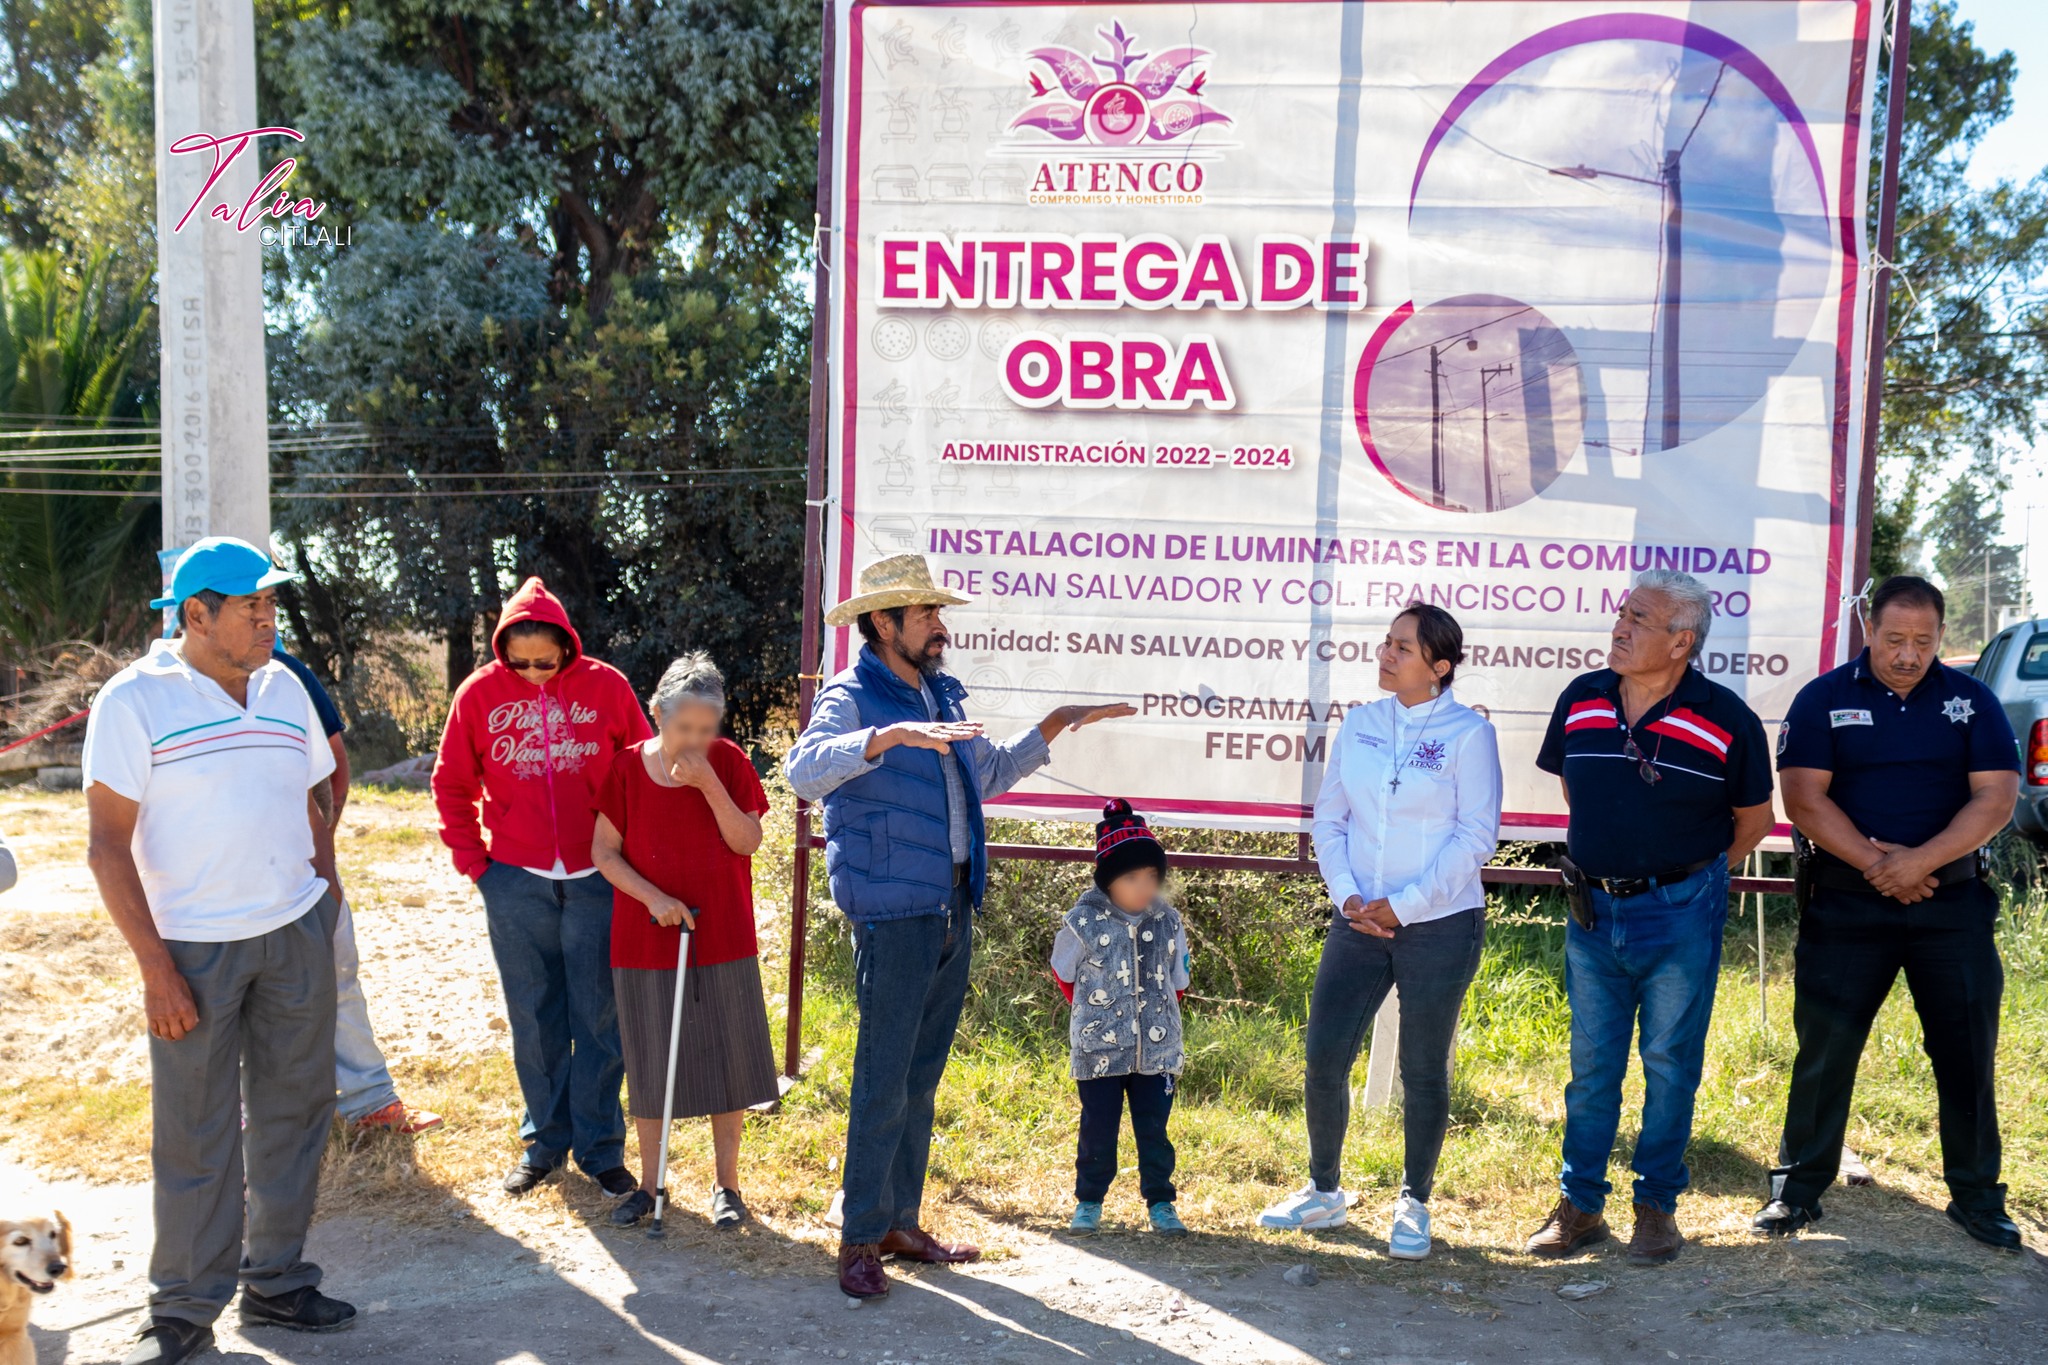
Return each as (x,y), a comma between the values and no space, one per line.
(209,805)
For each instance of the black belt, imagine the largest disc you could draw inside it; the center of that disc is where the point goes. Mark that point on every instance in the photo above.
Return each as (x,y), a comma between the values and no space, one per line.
(1622,887)
(962,872)
(1836,875)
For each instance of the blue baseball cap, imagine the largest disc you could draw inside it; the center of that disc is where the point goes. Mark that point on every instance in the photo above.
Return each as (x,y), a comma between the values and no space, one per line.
(232,567)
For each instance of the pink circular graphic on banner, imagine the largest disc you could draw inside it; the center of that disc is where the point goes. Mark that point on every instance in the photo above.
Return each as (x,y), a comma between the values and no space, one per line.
(1474,404)
(1655,184)
(1116,116)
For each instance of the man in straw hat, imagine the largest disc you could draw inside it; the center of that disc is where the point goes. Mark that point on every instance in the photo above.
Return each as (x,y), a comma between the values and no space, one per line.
(905,850)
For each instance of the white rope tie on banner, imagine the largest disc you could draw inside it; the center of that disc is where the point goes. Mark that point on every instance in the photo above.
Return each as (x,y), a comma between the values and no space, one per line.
(1858,602)
(817,252)
(1906,282)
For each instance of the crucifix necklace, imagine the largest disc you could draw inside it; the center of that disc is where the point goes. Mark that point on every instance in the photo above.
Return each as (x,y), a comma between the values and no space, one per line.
(1415,748)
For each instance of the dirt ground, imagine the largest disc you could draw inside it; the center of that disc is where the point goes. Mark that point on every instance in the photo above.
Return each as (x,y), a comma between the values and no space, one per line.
(484,1279)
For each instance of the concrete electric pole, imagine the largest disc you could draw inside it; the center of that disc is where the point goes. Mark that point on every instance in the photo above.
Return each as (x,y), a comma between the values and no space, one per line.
(216,449)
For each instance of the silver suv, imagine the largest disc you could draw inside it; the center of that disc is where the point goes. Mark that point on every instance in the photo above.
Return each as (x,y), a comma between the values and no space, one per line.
(2015,667)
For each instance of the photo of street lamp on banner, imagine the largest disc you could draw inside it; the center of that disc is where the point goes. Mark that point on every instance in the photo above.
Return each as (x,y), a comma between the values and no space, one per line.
(1195,341)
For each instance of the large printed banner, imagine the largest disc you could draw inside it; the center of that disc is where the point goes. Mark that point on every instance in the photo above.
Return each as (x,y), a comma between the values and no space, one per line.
(1194,340)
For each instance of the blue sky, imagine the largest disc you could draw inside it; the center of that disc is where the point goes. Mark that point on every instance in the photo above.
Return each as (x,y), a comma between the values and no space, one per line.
(2018,149)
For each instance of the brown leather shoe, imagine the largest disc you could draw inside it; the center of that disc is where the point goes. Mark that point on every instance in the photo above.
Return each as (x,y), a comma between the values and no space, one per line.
(860,1271)
(1656,1239)
(1568,1230)
(915,1244)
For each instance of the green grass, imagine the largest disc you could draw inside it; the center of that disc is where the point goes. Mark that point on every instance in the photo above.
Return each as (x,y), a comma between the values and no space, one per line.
(1003,1154)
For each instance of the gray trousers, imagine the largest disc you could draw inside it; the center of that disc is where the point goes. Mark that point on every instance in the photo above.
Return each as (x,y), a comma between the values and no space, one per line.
(360,1072)
(265,1038)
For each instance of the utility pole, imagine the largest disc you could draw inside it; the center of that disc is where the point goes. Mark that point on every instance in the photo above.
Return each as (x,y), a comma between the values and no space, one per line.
(1671,285)
(1674,213)
(1436,429)
(1487,375)
(216,450)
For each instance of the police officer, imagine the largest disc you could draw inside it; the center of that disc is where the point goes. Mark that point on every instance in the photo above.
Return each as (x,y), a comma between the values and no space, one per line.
(1898,768)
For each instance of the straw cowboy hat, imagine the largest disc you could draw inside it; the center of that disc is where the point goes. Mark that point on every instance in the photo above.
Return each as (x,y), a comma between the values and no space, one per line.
(899,581)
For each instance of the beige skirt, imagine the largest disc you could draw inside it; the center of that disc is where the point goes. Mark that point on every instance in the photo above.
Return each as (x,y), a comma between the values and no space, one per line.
(723,1060)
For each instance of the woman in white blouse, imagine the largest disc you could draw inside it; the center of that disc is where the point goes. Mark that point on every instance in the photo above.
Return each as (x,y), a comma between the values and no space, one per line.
(1408,813)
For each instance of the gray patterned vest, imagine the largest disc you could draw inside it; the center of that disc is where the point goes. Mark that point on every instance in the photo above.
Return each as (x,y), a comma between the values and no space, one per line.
(1126,1019)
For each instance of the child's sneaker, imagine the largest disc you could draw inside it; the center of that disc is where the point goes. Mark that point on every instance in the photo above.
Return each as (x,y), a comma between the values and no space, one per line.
(1409,1240)
(1307,1208)
(1087,1217)
(1165,1221)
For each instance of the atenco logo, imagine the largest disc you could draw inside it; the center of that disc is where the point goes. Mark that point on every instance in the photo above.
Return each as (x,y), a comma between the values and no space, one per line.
(1127,177)
(1124,106)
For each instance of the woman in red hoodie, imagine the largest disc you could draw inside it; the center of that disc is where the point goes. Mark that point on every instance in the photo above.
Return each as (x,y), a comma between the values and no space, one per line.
(531,736)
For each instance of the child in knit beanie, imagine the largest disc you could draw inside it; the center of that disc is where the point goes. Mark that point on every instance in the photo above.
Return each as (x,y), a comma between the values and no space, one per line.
(1121,960)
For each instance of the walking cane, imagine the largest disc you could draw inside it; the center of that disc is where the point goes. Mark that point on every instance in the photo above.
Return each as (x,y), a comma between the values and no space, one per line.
(668,1099)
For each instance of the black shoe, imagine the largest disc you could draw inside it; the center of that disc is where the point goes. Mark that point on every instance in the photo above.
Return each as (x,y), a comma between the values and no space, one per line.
(727,1212)
(527,1176)
(1989,1226)
(302,1310)
(616,1182)
(168,1341)
(1781,1219)
(632,1209)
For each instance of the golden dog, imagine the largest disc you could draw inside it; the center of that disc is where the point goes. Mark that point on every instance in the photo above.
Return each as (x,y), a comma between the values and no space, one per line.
(35,1253)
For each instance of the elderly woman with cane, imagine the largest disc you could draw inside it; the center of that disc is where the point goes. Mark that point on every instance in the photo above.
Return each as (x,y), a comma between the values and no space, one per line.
(678,822)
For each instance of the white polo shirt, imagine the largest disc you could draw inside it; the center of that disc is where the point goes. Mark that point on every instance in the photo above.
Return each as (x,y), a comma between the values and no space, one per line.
(222,841)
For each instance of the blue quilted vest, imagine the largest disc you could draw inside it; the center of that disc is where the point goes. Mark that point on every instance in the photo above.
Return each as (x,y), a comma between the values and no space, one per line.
(887,853)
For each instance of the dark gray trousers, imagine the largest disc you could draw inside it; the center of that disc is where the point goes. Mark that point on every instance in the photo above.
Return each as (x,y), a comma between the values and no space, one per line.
(265,1048)
(1432,963)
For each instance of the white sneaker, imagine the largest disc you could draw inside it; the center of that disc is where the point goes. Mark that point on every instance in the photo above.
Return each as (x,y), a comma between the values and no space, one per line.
(1409,1240)
(1307,1208)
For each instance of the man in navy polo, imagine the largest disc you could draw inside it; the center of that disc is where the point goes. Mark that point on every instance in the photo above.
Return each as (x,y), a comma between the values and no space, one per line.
(1668,777)
(1899,769)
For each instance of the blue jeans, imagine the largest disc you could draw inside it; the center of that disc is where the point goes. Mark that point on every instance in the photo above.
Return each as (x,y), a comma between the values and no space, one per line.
(910,981)
(1654,957)
(553,943)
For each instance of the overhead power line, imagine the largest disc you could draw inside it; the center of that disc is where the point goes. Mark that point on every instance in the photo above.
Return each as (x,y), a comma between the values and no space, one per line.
(416,495)
(285,476)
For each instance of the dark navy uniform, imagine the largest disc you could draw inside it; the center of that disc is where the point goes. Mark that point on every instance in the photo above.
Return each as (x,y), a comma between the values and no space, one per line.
(1901,772)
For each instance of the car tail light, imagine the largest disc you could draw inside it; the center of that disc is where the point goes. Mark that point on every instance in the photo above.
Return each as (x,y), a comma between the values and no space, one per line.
(2037,755)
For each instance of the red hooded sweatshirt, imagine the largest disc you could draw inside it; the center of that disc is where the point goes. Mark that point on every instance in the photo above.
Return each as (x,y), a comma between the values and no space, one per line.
(534,754)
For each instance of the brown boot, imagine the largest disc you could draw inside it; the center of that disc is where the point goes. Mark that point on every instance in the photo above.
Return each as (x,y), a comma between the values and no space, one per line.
(915,1244)
(1656,1239)
(1568,1230)
(860,1272)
